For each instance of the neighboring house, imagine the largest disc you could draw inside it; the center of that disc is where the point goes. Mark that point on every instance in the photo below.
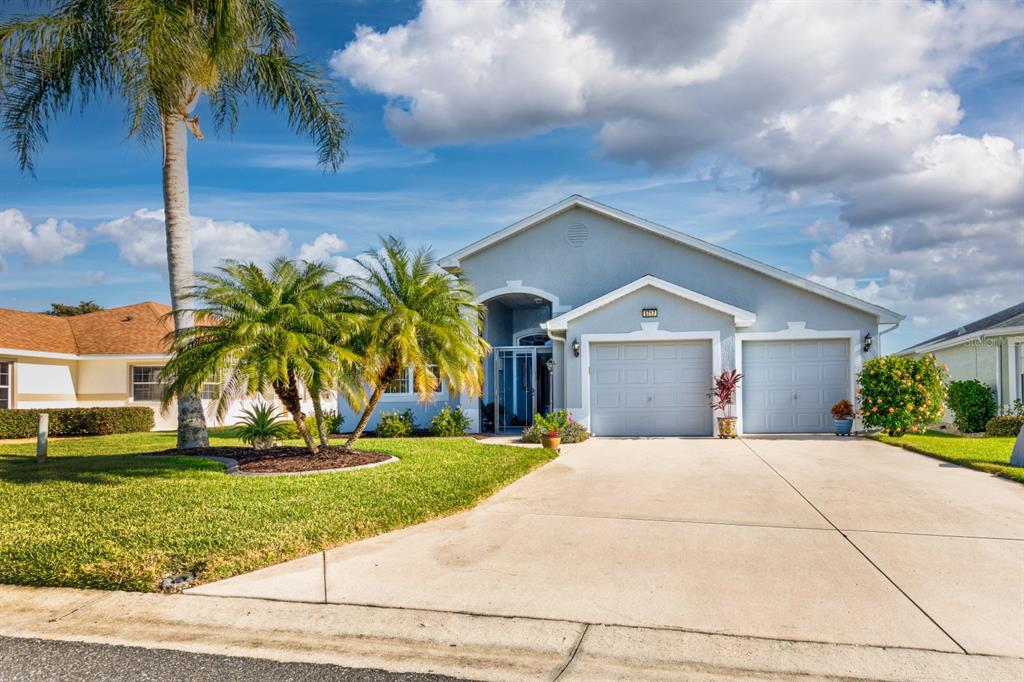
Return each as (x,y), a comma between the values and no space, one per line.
(990,350)
(623,322)
(102,359)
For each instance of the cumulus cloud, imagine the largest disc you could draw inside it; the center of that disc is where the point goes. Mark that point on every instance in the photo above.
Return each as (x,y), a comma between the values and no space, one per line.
(141,240)
(48,242)
(851,102)
(328,247)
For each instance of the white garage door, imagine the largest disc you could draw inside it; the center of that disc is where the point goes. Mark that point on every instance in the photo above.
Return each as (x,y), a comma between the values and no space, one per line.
(650,389)
(789,386)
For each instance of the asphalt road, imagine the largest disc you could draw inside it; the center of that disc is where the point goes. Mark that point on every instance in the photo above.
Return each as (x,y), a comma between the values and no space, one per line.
(56,661)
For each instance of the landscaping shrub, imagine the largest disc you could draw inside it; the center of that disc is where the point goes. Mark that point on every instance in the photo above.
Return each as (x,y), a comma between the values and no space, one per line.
(396,424)
(1014,409)
(333,421)
(1004,427)
(900,394)
(972,404)
(449,422)
(261,426)
(77,421)
(291,431)
(571,432)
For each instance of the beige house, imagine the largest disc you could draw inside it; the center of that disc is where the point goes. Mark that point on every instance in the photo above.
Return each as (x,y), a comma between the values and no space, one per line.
(103,359)
(990,350)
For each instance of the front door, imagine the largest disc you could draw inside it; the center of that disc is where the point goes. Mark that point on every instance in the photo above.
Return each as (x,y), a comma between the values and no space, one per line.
(522,386)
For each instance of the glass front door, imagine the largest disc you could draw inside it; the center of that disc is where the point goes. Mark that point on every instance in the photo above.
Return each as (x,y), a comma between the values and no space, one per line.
(522,386)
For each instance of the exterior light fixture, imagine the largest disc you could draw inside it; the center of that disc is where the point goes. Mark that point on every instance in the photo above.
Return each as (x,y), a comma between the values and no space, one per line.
(576,347)
(867,342)
(550,364)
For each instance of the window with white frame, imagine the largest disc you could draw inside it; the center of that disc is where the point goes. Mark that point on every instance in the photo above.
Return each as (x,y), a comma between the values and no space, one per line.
(209,389)
(5,385)
(405,384)
(146,384)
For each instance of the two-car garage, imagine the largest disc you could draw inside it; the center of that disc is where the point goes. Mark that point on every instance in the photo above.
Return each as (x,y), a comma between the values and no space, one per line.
(660,388)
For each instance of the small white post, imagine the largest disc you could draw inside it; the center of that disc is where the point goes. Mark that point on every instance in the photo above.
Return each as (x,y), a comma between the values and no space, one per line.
(42,438)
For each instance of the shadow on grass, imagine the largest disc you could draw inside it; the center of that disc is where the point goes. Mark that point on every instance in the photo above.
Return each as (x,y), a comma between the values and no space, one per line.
(99,469)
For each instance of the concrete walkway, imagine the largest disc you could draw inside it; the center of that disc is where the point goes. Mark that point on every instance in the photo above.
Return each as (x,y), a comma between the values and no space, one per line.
(814,540)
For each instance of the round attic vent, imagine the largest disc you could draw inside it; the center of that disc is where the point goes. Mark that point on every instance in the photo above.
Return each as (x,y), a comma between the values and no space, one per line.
(577,234)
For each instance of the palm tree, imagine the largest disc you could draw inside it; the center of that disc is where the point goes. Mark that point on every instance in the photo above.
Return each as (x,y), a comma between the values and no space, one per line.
(259,330)
(415,315)
(160,57)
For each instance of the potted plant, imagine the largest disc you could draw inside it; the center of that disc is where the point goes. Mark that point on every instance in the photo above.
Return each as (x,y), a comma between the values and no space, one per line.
(723,397)
(842,417)
(551,428)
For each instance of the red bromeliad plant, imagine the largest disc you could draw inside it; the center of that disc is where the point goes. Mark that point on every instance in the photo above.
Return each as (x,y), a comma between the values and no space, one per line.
(842,410)
(723,395)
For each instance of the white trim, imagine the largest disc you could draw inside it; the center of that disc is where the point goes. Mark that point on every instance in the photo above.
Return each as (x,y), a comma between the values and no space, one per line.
(957,340)
(411,395)
(1014,370)
(797,332)
(515,286)
(741,317)
(884,315)
(532,331)
(643,336)
(73,356)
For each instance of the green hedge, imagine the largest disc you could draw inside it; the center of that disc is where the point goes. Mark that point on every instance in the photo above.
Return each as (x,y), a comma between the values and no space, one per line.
(972,403)
(1004,427)
(77,421)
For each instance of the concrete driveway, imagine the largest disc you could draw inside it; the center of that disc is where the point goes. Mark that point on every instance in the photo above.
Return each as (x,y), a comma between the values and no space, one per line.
(813,539)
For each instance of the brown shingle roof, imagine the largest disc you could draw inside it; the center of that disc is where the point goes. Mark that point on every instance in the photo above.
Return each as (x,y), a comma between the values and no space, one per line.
(137,329)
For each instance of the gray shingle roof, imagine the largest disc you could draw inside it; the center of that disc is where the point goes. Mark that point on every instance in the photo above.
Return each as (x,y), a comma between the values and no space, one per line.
(1009,317)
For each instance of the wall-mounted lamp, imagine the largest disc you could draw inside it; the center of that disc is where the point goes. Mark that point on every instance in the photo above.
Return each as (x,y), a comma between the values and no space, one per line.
(550,364)
(867,342)
(576,347)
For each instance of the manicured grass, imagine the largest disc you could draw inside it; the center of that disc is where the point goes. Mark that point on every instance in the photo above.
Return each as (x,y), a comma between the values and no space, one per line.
(93,517)
(986,454)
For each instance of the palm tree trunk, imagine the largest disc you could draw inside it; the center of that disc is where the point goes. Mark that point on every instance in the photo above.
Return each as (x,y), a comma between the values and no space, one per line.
(191,420)
(375,397)
(318,415)
(289,396)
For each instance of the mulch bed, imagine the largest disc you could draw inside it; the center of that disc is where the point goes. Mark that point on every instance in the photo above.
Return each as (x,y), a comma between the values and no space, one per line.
(284,458)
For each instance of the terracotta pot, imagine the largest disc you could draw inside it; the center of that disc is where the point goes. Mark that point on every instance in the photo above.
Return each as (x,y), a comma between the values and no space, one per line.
(727,427)
(551,442)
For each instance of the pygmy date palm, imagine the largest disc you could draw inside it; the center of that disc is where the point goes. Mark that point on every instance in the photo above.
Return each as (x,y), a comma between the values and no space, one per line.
(414,316)
(281,328)
(160,58)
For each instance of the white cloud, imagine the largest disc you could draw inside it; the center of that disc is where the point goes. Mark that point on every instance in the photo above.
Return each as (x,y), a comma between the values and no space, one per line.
(328,247)
(849,102)
(494,69)
(48,242)
(141,240)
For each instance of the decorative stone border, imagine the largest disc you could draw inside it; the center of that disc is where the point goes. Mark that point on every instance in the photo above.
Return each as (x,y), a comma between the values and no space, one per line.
(231,466)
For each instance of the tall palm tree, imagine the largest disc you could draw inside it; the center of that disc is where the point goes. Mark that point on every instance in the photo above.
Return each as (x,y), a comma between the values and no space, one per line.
(415,315)
(264,329)
(161,57)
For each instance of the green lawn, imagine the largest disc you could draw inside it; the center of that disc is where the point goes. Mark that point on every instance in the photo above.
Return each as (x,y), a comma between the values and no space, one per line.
(92,517)
(986,454)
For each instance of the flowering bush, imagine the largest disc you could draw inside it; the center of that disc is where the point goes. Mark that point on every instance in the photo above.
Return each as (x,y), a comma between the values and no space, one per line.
(900,394)
(570,430)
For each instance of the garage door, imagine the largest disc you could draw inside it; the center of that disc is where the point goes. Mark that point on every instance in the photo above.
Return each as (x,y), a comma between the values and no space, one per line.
(650,389)
(789,386)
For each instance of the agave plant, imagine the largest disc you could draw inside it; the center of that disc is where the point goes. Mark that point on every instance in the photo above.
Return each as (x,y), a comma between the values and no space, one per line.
(723,395)
(261,426)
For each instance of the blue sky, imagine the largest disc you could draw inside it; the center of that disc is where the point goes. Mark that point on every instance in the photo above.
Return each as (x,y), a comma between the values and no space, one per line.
(875,148)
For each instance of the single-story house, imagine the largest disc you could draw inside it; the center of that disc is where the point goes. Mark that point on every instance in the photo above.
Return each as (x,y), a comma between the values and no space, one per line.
(104,359)
(990,350)
(623,322)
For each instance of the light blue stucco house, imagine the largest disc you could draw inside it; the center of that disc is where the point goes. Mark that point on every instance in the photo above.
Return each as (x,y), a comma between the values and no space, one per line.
(623,322)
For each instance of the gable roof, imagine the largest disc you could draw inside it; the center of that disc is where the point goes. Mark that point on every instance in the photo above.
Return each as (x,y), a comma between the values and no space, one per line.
(742,318)
(884,315)
(138,329)
(1008,320)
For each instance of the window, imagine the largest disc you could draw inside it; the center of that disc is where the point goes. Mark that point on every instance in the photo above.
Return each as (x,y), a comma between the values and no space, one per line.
(146,385)
(405,383)
(534,340)
(208,388)
(5,385)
